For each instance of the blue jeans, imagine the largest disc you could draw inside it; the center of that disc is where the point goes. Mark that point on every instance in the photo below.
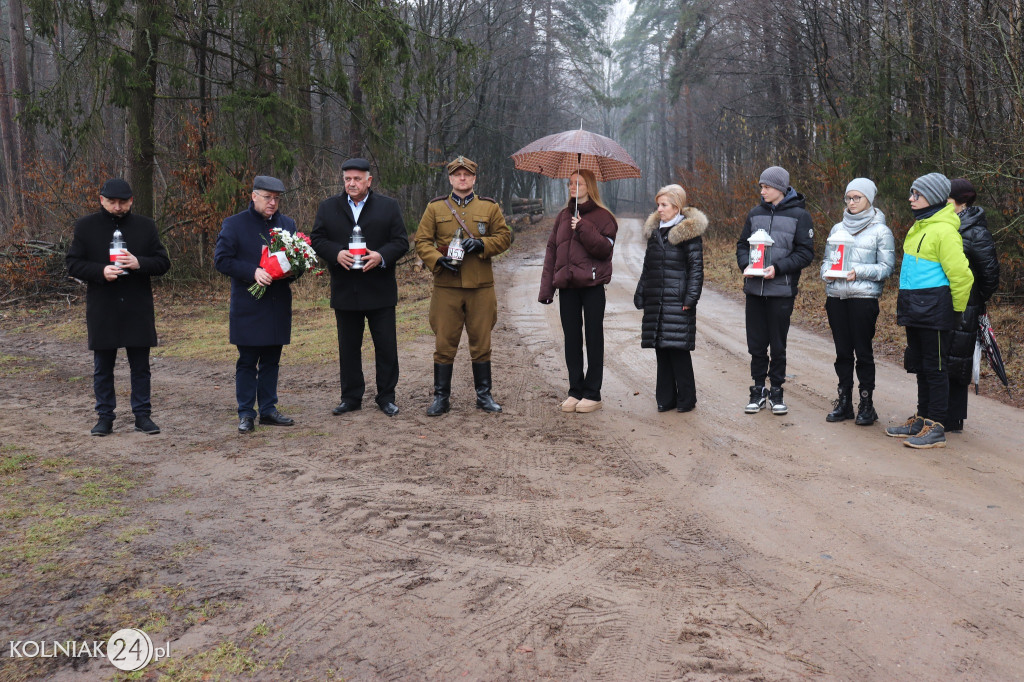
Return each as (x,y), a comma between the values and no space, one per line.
(103,362)
(256,379)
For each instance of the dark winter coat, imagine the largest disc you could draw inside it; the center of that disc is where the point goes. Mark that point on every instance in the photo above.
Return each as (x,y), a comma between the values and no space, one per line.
(265,321)
(980,250)
(384,231)
(582,257)
(790,225)
(672,277)
(118,314)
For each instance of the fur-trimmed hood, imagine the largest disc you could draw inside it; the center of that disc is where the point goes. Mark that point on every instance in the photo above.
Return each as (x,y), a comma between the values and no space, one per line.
(693,224)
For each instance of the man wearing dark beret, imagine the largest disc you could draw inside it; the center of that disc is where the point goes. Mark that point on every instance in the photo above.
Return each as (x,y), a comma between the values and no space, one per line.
(119,299)
(367,295)
(258,327)
(463,296)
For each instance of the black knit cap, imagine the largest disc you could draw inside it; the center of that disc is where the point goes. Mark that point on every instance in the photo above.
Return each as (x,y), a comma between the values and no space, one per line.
(116,188)
(962,191)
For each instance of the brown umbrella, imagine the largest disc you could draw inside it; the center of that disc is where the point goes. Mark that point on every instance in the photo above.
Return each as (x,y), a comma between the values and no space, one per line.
(562,154)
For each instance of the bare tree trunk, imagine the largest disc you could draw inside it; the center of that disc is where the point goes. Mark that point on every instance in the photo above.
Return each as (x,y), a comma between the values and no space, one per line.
(142,109)
(10,149)
(22,86)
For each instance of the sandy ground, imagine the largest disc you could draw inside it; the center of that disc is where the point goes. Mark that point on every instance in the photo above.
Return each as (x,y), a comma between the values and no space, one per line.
(619,545)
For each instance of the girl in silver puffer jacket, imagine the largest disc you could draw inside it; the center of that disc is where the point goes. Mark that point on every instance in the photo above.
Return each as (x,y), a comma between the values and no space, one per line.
(852,303)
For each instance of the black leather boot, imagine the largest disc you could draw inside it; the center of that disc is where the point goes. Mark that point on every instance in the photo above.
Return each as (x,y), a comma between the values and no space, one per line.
(482,380)
(842,408)
(442,390)
(866,415)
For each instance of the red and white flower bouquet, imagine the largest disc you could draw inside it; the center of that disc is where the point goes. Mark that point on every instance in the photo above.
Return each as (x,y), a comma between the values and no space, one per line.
(287,255)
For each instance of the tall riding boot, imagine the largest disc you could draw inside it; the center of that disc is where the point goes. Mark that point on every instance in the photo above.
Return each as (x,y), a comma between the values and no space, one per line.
(482,379)
(442,390)
(842,408)
(866,415)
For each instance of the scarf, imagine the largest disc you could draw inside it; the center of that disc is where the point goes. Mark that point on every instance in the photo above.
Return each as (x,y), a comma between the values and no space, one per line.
(927,211)
(855,222)
(675,221)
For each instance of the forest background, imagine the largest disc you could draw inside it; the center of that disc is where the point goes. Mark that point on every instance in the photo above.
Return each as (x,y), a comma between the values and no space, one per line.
(189,99)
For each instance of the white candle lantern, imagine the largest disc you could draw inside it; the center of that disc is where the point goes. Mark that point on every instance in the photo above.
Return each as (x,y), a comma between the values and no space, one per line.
(760,253)
(837,254)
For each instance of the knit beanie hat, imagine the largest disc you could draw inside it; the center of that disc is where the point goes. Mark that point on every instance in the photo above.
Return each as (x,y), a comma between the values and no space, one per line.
(934,187)
(865,187)
(777,177)
(962,191)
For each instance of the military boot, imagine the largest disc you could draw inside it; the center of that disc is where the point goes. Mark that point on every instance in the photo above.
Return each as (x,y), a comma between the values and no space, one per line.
(842,407)
(866,415)
(442,390)
(482,379)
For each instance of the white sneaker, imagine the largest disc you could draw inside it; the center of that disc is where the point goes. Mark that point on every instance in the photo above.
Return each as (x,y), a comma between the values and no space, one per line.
(776,401)
(758,398)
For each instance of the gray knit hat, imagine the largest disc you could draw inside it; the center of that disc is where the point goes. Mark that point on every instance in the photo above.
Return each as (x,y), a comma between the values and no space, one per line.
(934,187)
(777,177)
(865,187)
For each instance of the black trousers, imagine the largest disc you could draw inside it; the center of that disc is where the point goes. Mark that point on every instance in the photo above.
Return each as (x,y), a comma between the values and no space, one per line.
(103,362)
(385,350)
(582,314)
(675,382)
(925,356)
(256,373)
(767,329)
(957,401)
(853,328)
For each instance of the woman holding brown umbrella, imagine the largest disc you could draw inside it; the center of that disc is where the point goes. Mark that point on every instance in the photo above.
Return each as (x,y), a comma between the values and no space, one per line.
(578,263)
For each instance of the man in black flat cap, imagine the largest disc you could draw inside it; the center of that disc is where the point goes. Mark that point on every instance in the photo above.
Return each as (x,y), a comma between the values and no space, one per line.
(119,299)
(365,296)
(259,327)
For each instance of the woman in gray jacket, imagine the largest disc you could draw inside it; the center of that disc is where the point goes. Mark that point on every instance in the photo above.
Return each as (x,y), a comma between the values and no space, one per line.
(852,303)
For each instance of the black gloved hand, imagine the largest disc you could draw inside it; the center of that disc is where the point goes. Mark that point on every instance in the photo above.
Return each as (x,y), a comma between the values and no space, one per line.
(472,245)
(446,263)
(958,320)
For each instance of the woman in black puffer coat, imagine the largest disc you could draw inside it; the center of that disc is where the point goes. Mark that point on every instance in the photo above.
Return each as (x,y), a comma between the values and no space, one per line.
(668,291)
(980,250)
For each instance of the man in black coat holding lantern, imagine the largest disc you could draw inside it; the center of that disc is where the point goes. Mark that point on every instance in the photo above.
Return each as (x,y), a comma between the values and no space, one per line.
(364,296)
(119,299)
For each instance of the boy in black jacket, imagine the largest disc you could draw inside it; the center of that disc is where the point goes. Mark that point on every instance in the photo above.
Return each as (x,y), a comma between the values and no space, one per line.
(770,298)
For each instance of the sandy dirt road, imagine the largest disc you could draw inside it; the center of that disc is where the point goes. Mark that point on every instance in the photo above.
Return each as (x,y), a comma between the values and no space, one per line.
(619,545)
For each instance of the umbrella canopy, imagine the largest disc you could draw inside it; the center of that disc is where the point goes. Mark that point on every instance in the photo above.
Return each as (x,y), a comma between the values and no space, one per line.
(989,347)
(562,154)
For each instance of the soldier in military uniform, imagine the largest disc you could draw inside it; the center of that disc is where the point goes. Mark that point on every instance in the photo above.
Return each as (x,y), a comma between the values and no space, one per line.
(463,296)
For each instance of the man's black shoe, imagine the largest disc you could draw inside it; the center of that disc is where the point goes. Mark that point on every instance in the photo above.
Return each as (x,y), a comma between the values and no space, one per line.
(346,406)
(275,418)
(146,425)
(666,408)
(104,427)
(246,425)
(390,409)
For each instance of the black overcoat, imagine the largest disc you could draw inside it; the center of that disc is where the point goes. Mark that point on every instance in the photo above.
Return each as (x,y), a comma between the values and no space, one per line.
(384,232)
(265,321)
(672,277)
(118,314)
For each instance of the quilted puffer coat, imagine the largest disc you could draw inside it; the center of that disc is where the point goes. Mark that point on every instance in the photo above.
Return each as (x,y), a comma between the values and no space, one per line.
(980,250)
(672,277)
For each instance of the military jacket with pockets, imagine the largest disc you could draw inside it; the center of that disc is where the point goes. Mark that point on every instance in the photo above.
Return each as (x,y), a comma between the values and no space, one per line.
(484,221)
